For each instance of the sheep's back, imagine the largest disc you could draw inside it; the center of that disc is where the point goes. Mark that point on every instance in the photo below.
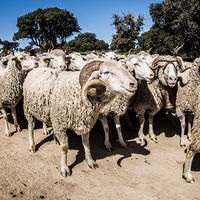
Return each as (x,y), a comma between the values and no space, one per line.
(11,81)
(37,90)
(147,97)
(67,109)
(187,95)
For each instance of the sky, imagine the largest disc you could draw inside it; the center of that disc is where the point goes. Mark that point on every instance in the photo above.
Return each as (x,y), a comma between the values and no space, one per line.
(93,16)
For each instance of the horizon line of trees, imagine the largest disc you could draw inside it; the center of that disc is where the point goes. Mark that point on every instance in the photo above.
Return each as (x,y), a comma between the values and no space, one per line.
(175,31)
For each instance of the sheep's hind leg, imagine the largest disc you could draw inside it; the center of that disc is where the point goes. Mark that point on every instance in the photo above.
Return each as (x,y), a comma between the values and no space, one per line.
(5,117)
(189,135)
(183,125)
(141,136)
(85,140)
(187,166)
(119,131)
(106,132)
(14,116)
(31,125)
(151,132)
(63,140)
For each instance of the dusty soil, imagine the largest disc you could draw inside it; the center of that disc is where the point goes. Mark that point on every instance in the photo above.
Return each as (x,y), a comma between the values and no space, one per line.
(149,172)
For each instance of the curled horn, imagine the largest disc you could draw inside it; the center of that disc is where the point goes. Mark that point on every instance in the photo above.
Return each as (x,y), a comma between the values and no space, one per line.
(156,60)
(87,71)
(180,62)
(94,88)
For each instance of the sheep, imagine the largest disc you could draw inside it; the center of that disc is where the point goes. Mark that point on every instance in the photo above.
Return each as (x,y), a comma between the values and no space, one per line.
(186,97)
(56,59)
(11,81)
(73,100)
(194,146)
(77,62)
(149,97)
(118,106)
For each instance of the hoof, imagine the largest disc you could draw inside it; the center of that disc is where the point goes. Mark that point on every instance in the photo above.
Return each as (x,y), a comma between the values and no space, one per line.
(108,147)
(189,179)
(45,132)
(8,134)
(65,173)
(154,138)
(140,141)
(124,145)
(183,144)
(32,149)
(18,129)
(93,165)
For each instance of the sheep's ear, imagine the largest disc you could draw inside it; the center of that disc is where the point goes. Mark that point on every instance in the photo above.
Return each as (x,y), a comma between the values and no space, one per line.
(46,60)
(129,66)
(67,58)
(184,77)
(14,58)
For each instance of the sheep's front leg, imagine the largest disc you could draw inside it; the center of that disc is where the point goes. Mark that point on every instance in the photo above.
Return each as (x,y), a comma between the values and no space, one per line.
(187,166)
(119,131)
(14,116)
(5,117)
(45,129)
(140,132)
(86,144)
(31,125)
(128,121)
(106,132)
(183,125)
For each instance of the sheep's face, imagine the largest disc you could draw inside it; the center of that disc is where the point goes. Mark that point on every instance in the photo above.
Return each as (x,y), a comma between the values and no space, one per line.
(117,79)
(140,69)
(58,62)
(76,63)
(27,62)
(168,73)
(111,55)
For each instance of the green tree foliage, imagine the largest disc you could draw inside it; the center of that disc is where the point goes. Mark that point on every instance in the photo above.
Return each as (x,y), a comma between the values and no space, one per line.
(48,28)
(127,32)
(85,42)
(176,27)
(6,45)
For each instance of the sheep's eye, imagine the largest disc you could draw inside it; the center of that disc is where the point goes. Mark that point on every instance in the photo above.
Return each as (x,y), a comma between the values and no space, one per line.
(21,58)
(106,73)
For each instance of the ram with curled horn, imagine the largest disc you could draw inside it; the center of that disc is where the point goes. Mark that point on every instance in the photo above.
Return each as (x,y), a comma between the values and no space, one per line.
(169,60)
(60,99)
(92,87)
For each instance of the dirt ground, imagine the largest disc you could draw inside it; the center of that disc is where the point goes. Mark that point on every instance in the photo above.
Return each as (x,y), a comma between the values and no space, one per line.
(149,172)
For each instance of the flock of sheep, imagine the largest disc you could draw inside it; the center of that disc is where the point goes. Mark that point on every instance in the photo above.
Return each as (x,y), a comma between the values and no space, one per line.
(71,92)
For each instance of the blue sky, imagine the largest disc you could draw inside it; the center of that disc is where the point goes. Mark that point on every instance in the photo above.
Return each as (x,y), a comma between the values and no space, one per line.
(93,16)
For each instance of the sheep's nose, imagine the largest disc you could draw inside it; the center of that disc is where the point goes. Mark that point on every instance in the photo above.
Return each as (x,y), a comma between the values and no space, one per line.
(133,85)
(172,78)
(151,75)
(62,67)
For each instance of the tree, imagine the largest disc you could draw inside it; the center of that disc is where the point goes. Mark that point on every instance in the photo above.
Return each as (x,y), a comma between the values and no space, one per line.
(85,42)
(48,28)
(127,32)
(175,29)
(6,45)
